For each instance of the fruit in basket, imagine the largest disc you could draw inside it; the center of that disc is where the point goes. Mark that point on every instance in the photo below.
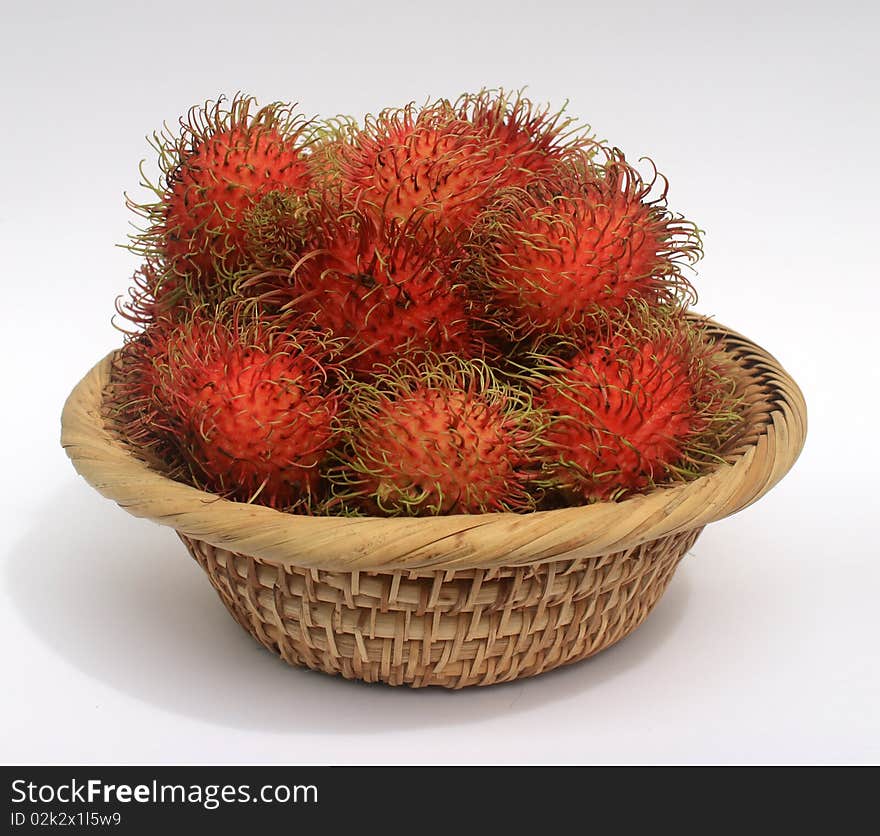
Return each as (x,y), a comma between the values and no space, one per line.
(459,310)
(241,409)
(437,436)
(531,141)
(443,163)
(557,256)
(154,294)
(640,403)
(277,228)
(425,254)
(381,288)
(224,161)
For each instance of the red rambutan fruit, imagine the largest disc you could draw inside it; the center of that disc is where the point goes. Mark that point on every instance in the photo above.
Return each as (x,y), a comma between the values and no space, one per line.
(641,403)
(381,289)
(420,161)
(446,161)
(154,294)
(243,410)
(554,258)
(224,161)
(277,228)
(531,141)
(133,408)
(436,436)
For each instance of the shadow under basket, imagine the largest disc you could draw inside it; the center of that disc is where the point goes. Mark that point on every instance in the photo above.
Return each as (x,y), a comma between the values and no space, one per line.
(456,600)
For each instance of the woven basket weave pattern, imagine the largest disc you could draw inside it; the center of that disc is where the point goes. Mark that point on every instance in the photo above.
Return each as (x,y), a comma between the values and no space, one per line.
(457,600)
(471,627)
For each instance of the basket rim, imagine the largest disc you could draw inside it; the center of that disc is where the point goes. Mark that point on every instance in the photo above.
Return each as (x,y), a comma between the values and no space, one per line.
(453,542)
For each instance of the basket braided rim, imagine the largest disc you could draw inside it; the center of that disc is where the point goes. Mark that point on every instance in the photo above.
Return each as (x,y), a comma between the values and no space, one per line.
(763,451)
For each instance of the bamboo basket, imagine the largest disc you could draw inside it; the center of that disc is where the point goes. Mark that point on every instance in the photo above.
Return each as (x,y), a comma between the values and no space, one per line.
(457,600)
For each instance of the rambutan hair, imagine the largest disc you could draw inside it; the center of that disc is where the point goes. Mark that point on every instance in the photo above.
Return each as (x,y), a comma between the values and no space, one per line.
(411,160)
(222,162)
(230,404)
(535,140)
(381,286)
(436,435)
(445,161)
(558,256)
(152,295)
(500,297)
(646,400)
(278,227)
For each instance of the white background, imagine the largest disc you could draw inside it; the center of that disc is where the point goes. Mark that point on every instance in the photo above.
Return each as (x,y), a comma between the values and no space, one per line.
(764,117)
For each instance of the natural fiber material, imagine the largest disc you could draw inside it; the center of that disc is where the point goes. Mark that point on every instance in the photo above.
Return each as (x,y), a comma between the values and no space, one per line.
(456,600)
(471,627)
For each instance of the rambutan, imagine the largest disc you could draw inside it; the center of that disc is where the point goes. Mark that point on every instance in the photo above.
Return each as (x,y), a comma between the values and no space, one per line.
(224,161)
(244,410)
(554,258)
(446,161)
(412,253)
(135,408)
(531,141)
(641,403)
(277,228)
(382,289)
(437,436)
(153,294)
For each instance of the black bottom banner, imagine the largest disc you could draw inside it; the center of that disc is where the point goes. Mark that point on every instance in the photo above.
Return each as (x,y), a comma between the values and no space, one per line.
(244,799)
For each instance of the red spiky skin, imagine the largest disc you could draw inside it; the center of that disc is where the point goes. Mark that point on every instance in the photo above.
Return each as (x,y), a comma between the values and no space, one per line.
(554,262)
(384,292)
(256,425)
(249,415)
(223,176)
(530,141)
(439,451)
(623,414)
(136,403)
(442,164)
(154,294)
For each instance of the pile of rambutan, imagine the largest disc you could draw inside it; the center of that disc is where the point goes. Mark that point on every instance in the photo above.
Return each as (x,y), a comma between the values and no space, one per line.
(463,307)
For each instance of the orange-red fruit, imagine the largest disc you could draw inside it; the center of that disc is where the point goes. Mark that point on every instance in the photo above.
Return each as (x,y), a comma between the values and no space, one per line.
(533,141)
(625,413)
(251,413)
(136,405)
(222,172)
(384,292)
(443,163)
(553,260)
(432,448)
(155,294)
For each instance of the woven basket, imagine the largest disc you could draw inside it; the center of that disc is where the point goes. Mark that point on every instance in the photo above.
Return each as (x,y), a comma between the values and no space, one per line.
(456,600)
